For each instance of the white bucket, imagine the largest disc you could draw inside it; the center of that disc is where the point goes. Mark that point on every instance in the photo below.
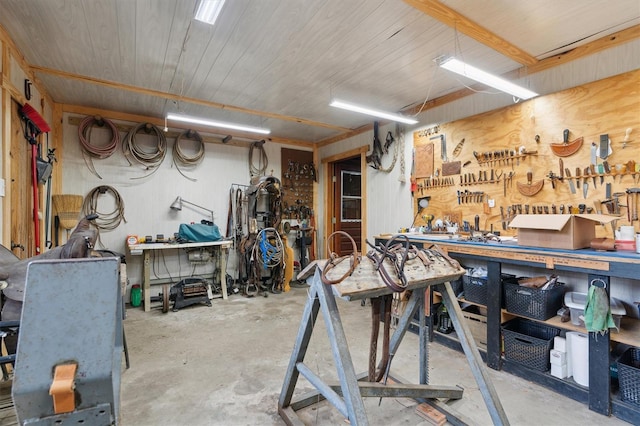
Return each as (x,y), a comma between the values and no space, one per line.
(578,345)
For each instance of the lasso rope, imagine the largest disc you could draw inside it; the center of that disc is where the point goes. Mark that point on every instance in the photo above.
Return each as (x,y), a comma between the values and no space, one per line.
(89,150)
(185,161)
(106,221)
(263,161)
(148,159)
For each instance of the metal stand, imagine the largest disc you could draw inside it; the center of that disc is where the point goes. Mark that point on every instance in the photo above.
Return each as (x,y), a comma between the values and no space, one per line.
(72,315)
(347,396)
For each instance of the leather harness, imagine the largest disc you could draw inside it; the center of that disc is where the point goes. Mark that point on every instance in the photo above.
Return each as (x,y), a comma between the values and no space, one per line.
(398,253)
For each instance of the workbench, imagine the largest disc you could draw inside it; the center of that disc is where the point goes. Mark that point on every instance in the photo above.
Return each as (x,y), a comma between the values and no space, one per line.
(595,265)
(220,248)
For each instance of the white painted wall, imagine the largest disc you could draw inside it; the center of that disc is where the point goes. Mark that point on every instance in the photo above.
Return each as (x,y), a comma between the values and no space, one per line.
(147,200)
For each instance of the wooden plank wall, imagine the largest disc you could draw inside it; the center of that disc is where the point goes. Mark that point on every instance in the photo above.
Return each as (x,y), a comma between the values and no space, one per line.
(609,106)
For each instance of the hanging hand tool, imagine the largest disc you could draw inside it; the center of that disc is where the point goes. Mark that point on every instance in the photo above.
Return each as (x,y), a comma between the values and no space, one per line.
(502,219)
(572,187)
(592,169)
(585,182)
(601,173)
(626,138)
(504,187)
(553,209)
(566,148)
(526,209)
(631,169)
(578,175)
(605,147)
(530,188)
(632,204)
(443,146)
(607,169)
(476,223)
(458,148)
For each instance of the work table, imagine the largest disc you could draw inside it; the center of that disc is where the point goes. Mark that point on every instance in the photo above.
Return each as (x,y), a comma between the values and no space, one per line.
(596,265)
(220,248)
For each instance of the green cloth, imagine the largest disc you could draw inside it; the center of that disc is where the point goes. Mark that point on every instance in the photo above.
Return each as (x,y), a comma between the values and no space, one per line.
(597,312)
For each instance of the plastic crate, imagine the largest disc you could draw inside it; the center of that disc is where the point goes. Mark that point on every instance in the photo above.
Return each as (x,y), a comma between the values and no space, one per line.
(533,302)
(629,375)
(528,343)
(456,286)
(475,288)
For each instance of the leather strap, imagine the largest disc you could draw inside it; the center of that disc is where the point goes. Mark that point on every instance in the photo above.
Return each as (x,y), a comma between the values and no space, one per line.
(375,375)
(334,259)
(606,244)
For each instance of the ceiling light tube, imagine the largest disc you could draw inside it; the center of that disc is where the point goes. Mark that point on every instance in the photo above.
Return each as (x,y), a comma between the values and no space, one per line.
(376,113)
(208,11)
(469,71)
(211,123)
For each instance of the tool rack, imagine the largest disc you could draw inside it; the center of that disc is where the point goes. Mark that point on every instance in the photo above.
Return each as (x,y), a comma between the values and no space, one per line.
(346,396)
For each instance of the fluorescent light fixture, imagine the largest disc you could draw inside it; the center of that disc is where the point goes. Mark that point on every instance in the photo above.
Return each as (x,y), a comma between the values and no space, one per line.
(376,113)
(469,71)
(211,123)
(208,10)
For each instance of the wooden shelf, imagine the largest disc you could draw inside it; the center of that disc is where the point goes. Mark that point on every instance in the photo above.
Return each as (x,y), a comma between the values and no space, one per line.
(629,333)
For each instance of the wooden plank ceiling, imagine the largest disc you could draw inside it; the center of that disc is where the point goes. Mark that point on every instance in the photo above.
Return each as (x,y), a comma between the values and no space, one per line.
(278,63)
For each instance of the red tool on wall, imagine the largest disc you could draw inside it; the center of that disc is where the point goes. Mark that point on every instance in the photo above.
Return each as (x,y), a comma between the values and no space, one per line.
(34,125)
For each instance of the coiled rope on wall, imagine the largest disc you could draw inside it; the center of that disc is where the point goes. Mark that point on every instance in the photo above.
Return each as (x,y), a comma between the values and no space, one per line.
(149,159)
(180,159)
(106,221)
(91,150)
(263,161)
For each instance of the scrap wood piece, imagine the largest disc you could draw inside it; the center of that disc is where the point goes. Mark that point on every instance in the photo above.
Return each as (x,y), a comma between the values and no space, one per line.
(431,415)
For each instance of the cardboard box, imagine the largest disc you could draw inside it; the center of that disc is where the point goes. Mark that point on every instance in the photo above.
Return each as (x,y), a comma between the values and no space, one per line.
(563,231)
(478,326)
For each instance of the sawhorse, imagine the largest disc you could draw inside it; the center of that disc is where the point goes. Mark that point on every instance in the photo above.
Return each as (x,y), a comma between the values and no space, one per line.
(347,397)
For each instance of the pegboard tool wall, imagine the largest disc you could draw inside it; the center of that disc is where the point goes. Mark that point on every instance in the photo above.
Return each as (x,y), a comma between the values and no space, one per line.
(298,177)
(610,106)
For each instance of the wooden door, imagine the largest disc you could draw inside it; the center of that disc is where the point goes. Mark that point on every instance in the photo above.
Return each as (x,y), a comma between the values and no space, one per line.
(22,240)
(347,204)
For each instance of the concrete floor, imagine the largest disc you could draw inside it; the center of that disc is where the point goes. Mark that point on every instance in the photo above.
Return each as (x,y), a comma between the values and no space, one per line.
(225,365)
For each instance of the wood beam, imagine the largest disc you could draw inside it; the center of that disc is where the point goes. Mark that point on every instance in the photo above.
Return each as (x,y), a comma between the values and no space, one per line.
(174,97)
(347,135)
(136,118)
(450,17)
(603,43)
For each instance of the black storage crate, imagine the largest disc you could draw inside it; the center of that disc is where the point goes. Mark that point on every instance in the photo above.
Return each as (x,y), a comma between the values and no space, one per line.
(528,343)
(533,302)
(456,286)
(629,375)
(475,288)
